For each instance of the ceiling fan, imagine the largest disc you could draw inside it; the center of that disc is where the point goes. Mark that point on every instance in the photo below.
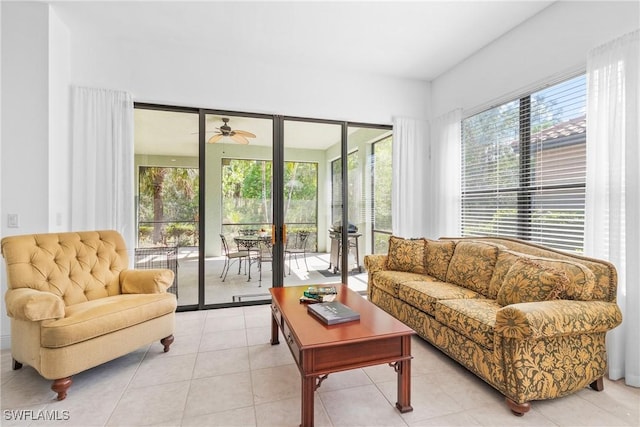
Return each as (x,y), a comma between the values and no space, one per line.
(239,136)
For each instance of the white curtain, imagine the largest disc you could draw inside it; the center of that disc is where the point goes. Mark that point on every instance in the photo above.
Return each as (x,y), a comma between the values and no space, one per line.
(612,217)
(444,176)
(410,150)
(102,182)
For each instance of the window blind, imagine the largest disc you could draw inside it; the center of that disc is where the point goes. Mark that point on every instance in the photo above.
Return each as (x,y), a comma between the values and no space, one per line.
(523,168)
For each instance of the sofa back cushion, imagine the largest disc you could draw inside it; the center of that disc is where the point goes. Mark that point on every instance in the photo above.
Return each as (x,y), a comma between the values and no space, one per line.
(530,281)
(439,254)
(581,280)
(78,267)
(472,265)
(504,262)
(406,255)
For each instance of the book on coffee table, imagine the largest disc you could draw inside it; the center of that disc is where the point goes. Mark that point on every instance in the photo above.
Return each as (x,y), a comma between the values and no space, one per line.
(333,312)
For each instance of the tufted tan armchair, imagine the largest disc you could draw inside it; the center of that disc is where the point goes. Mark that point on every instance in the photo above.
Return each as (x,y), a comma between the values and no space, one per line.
(74,304)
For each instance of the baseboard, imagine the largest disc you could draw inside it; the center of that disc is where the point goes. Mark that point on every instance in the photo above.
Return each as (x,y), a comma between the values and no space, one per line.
(5,342)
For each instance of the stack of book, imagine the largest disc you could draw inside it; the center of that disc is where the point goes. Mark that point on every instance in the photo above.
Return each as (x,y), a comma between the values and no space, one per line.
(319,294)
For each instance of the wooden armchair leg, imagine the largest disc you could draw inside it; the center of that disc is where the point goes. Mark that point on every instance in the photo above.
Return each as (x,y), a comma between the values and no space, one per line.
(518,409)
(598,385)
(166,342)
(16,365)
(61,386)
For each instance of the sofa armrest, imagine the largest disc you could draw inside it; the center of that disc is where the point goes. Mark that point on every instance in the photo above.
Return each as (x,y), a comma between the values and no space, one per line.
(151,281)
(556,318)
(375,262)
(33,305)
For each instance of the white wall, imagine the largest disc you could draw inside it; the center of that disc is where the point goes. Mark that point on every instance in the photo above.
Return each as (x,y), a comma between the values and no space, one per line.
(179,75)
(35,118)
(551,45)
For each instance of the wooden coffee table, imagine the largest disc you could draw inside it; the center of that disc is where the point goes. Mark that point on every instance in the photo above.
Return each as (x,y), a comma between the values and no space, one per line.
(319,349)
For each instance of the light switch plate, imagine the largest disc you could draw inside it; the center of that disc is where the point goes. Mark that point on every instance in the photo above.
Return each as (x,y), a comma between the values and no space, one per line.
(13,221)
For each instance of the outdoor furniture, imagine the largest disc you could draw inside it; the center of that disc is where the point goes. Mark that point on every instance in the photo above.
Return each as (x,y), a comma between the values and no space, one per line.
(159,257)
(297,245)
(231,257)
(251,245)
(336,250)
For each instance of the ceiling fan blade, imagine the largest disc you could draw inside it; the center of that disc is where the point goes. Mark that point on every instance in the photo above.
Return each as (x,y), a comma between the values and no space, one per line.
(244,133)
(215,138)
(239,139)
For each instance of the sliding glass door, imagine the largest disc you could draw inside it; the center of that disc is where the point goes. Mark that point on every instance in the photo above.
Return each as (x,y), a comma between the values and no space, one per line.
(238,207)
(236,203)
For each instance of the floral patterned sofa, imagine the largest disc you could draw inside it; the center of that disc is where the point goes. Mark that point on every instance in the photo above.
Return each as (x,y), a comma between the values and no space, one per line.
(529,320)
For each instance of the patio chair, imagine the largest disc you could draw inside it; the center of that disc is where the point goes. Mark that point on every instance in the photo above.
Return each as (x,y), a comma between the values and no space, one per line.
(264,255)
(231,257)
(296,246)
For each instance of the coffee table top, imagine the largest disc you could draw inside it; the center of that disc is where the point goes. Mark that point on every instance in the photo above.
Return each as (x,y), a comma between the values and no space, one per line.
(311,332)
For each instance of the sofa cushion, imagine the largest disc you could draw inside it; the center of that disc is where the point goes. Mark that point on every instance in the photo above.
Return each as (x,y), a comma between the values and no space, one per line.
(581,280)
(439,253)
(530,281)
(406,254)
(389,280)
(473,318)
(504,262)
(101,316)
(423,295)
(472,265)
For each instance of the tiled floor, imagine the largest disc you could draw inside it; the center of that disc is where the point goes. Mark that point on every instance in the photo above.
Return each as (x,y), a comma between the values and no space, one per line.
(222,371)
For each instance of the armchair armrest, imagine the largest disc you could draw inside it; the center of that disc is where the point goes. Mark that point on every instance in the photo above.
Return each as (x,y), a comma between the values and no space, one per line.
(152,281)
(375,262)
(556,318)
(34,305)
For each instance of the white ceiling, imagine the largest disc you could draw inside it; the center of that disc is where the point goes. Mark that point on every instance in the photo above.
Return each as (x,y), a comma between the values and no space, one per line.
(416,39)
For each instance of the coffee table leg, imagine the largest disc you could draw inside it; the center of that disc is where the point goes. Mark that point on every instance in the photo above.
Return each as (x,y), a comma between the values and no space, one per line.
(274,331)
(404,378)
(308,390)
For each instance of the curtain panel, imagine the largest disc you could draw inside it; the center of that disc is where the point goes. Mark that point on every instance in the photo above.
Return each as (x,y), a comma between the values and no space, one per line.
(612,205)
(102,180)
(410,151)
(445,175)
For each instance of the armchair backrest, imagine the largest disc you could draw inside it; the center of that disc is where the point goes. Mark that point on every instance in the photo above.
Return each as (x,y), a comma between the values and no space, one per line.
(77,266)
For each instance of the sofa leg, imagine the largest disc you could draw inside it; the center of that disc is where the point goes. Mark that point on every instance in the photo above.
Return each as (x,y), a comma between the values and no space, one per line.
(518,409)
(166,342)
(598,385)
(16,365)
(61,386)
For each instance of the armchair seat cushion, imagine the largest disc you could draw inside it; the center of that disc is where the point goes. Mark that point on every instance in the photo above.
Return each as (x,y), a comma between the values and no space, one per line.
(94,318)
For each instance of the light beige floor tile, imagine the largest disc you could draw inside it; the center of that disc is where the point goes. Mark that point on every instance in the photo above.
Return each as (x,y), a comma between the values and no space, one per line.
(162,370)
(23,416)
(428,398)
(217,394)
(229,323)
(267,355)
(574,410)
(223,340)
(467,390)
(189,325)
(617,398)
(182,344)
(499,415)
(460,419)
(287,413)
(345,379)
(276,383)
(258,335)
(151,405)
(26,388)
(360,406)
(226,312)
(220,362)
(241,417)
